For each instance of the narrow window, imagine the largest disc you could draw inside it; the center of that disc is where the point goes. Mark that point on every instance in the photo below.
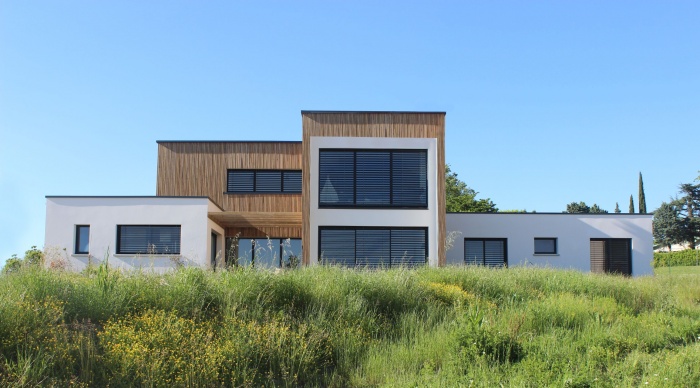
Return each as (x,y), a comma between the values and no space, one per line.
(546,246)
(263,181)
(82,239)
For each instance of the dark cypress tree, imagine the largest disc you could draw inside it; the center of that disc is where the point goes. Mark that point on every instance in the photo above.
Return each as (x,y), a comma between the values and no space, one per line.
(642,200)
(617,208)
(631,205)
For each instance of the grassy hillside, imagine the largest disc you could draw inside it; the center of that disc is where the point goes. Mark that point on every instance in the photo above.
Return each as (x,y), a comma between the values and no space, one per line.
(335,327)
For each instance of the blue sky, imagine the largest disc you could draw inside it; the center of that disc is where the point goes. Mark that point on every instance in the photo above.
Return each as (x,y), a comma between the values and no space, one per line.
(547,102)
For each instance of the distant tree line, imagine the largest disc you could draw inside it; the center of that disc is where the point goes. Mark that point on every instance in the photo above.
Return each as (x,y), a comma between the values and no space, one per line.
(678,221)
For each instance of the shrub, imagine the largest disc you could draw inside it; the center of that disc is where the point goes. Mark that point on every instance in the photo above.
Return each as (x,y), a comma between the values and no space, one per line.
(688,257)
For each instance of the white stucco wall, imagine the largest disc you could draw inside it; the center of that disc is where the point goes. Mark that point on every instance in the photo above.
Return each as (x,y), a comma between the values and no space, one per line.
(375,217)
(103,214)
(573,233)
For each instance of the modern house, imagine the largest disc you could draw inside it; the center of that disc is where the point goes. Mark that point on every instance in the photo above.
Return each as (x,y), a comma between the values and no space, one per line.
(362,189)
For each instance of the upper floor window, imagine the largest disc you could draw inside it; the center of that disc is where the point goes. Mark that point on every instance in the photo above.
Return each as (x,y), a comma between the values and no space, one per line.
(82,239)
(373,178)
(263,181)
(148,239)
(546,246)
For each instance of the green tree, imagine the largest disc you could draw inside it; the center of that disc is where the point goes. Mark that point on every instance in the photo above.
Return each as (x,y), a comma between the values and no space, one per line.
(617,208)
(596,209)
(642,199)
(32,257)
(461,198)
(667,225)
(631,205)
(689,209)
(579,207)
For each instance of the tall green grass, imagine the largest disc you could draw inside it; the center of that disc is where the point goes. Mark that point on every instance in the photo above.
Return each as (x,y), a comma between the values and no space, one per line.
(326,326)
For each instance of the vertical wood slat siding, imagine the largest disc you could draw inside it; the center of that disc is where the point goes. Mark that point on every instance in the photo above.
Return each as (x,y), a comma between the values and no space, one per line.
(262,232)
(374,124)
(199,169)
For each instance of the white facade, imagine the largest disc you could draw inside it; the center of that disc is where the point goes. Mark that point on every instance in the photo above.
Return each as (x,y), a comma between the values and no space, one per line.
(104,214)
(572,232)
(427,218)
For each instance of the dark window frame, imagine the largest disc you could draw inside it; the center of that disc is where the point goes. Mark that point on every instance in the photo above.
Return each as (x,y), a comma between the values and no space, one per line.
(556,246)
(505,249)
(392,203)
(255,172)
(78,241)
(120,248)
(356,228)
(608,255)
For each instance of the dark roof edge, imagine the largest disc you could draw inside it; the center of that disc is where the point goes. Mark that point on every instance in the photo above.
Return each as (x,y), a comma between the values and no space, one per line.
(371,111)
(230,141)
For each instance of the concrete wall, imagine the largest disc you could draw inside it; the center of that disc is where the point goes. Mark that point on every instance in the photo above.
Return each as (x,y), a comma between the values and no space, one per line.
(375,217)
(103,214)
(573,233)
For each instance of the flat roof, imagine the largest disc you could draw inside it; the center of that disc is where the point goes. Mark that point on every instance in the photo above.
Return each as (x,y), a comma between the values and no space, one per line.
(231,141)
(372,111)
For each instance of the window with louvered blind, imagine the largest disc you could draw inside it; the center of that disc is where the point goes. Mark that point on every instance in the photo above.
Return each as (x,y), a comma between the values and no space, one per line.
(373,178)
(373,247)
(148,239)
(611,255)
(490,252)
(263,181)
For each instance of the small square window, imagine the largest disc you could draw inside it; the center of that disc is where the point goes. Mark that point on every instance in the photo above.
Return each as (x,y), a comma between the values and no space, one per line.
(82,239)
(546,246)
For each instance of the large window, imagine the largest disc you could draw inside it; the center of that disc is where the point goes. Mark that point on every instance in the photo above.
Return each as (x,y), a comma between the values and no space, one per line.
(82,239)
(264,252)
(545,246)
(490,252)
(373,178)
(611,255)
(373,247)
(263,181)
(148,239)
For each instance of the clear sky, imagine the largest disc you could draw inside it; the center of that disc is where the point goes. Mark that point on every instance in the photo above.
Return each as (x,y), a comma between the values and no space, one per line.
(547,102)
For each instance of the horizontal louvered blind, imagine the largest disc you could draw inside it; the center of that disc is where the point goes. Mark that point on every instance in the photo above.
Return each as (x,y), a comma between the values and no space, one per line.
(337,178)
(373,178)
(148,239)
(409,247)
(338,247)
(409,177)
(268,181)
(374,247)
(291,181)
(597,256)
(263,181)
(241,181)
(490,252)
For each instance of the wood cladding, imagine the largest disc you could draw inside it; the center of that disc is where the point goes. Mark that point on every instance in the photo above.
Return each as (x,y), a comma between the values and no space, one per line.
(374,124)
(200,169)
(261,232)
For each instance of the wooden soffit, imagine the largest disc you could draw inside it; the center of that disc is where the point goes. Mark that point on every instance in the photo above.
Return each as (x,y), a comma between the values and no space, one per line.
(257,219)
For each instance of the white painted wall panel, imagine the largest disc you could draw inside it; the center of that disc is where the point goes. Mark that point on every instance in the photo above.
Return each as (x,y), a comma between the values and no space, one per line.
(573,233)
(103,214)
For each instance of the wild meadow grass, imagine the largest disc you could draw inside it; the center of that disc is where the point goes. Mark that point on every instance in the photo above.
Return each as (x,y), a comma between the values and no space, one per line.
(325,326)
